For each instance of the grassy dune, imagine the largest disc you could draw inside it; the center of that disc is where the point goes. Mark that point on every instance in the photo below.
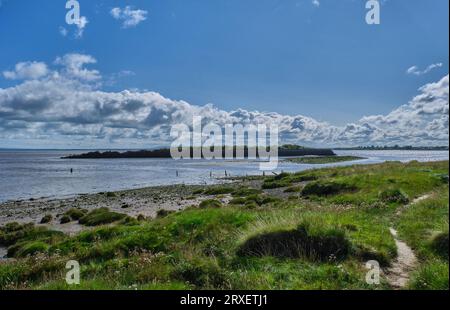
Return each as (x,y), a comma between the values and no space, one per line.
(318,236)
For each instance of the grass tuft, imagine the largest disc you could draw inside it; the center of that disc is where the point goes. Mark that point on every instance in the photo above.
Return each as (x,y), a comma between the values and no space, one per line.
(46,219)
(210,203)
(394,196)
(100,217)
(324,244)
(439,244)
(326,188)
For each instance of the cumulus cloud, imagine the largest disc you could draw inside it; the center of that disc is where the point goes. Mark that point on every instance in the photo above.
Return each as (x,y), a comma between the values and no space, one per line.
(424,118)
(416,70)
(68,106)
(128,16)
(27,70)
(75,66)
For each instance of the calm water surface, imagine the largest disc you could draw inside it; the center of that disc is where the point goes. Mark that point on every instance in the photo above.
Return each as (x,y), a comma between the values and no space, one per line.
(26,174)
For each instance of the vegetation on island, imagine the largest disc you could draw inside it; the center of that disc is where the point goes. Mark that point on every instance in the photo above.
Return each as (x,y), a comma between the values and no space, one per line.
(395,148)
(309,230)
(287,150)
(323,159)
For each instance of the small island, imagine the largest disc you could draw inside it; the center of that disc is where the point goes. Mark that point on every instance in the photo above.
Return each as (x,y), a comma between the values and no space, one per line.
(317,160)
(283,151)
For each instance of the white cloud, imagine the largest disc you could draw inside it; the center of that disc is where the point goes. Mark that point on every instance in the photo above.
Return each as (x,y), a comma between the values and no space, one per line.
(75,66)
(81,25)
(27,71)
(78,32)
(316,3)
(128,16)
(63,31)
(66,106)
(416,71)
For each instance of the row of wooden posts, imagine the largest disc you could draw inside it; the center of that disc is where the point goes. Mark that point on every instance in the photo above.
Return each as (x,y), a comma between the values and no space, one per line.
(226,174)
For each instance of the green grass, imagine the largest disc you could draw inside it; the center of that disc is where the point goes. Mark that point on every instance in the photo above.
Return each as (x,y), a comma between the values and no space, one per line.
(75,213)
(329,243)
(100,217)
(323,159)
(316,241)
(424,226)
(210,203)
(412,180)
(327,188)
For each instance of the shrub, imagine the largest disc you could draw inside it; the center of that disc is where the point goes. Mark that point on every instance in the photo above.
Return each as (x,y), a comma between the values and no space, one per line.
(28,248)
(442,177)
(439,244)
(281,176)
(366,253)
(210,203)
(141,217)
(47,219)
(75,213)
(111,195)
(220,190)
(298,243)
(326,188)
(14,232)
(13,227)
(65,219)
(303,177)
(394,196)
(242,192)
(269,199)
(163,213)
(254,200)
(100,217)
(271,184)
(238,201)
(201,272)
(293,189)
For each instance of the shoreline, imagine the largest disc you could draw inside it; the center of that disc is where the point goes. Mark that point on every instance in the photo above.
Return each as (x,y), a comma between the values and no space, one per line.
(210,228)
(141,201)
(145,202)
(72,185)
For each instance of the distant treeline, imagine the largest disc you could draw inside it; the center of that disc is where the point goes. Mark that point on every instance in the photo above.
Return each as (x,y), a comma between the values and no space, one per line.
(397,147)
(165,153)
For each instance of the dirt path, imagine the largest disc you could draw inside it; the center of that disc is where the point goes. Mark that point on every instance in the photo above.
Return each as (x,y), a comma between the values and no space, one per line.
(398,274)
(417,200)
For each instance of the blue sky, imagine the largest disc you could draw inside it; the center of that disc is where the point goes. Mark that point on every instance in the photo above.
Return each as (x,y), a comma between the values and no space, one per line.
(286,56)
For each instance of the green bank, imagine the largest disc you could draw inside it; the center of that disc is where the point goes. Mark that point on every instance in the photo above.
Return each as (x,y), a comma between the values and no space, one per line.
(314,229)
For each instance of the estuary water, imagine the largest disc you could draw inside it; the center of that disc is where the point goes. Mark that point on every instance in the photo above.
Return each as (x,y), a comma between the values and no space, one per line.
(26,174)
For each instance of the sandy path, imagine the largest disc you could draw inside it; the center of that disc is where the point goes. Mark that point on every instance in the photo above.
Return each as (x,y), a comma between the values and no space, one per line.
(398,274)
